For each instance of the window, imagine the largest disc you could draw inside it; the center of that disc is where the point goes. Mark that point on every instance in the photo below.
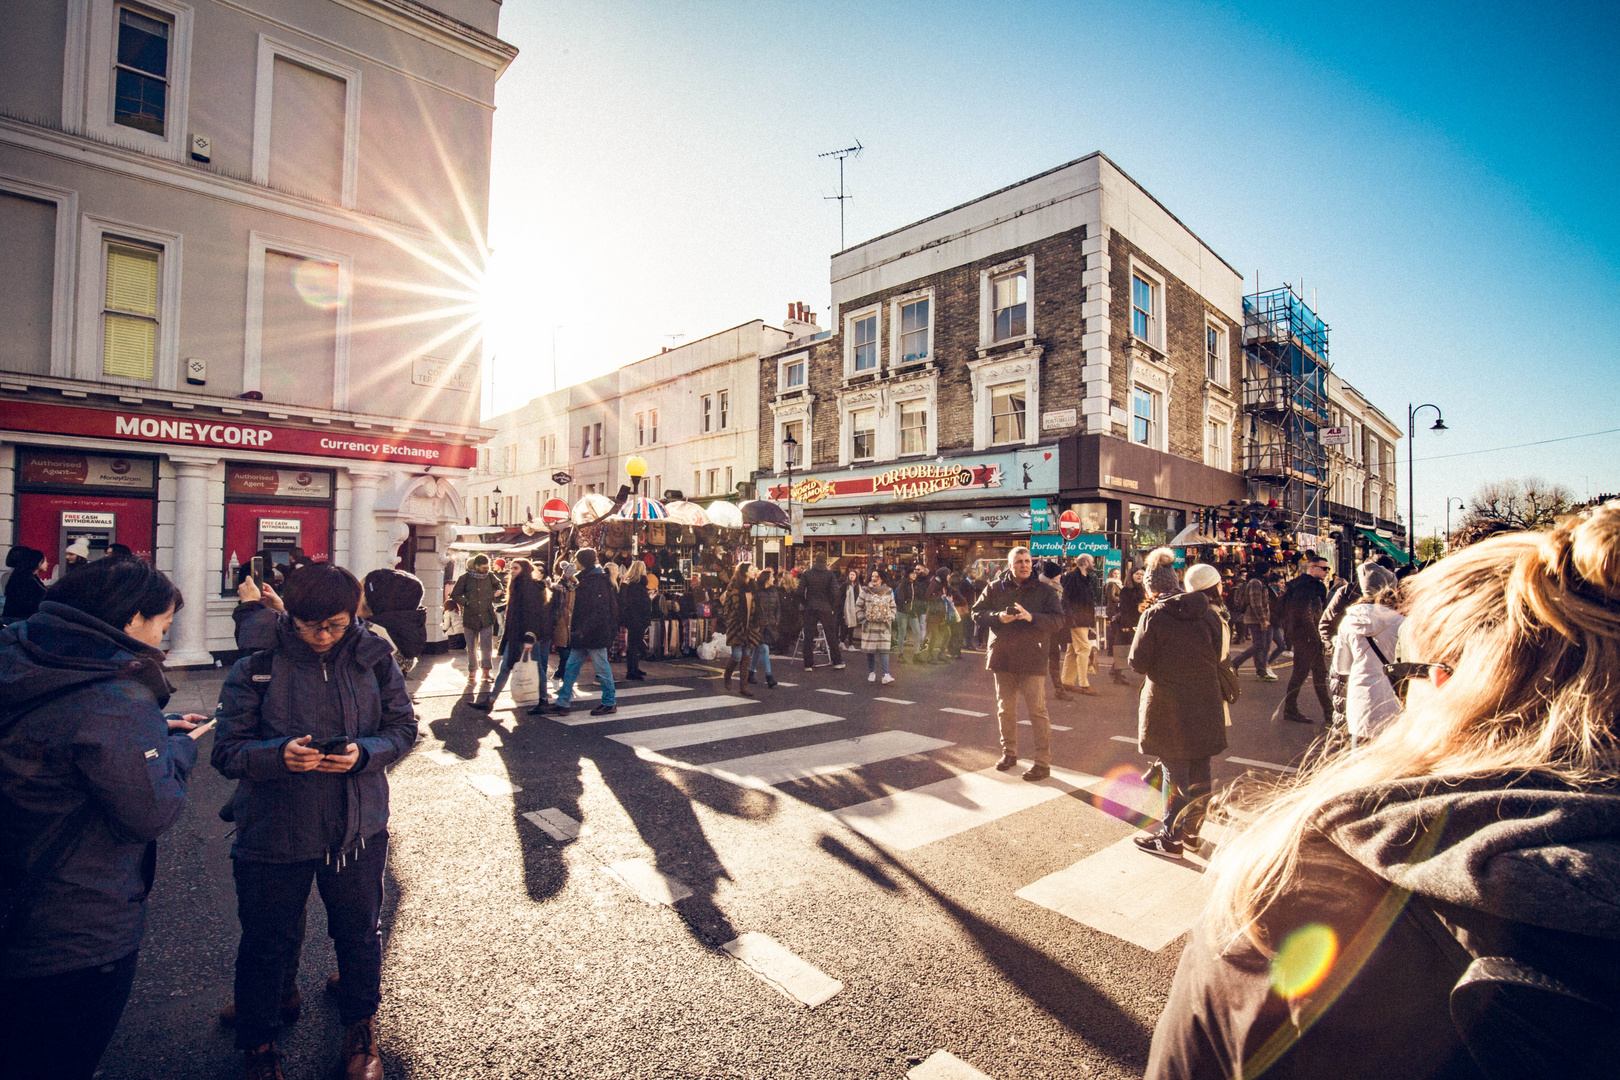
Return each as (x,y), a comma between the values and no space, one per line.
(863,434)
(306,123)
(511,454)
(658,487)
(1144,417)
(697,483)
(793,429)
(1215,451)
(1215,364)
(585,443)
(792,377)
(652,422)
(866,343)
(641,429)
(141,72)
(714,480)
(725,408)
(1009,305)
(914,327)
(708,412)
(1144,308)
(913,427)
(1007,413)
(596,439)
(730,483)
(129,330)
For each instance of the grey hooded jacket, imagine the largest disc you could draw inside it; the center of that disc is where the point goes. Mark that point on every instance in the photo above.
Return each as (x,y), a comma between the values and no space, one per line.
(84,703)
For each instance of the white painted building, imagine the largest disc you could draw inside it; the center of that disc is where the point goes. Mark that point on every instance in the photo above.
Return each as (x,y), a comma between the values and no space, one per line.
(1362,470)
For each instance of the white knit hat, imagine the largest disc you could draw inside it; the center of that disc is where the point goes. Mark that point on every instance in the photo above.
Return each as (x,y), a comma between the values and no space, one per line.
(79,547)
(1202,576)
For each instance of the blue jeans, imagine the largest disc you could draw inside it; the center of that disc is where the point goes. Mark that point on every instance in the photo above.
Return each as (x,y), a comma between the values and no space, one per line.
(762,658)
(875,660)
(1259,648)
(541,649)
(599,663)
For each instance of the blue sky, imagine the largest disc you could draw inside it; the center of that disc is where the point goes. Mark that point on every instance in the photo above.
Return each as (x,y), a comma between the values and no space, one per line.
(1441,178)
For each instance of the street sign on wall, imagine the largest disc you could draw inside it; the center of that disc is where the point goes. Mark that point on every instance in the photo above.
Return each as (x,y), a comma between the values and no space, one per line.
(1333,436)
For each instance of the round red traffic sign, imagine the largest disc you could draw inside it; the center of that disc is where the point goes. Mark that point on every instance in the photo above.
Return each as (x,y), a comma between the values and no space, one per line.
(555,513)
(1069,524)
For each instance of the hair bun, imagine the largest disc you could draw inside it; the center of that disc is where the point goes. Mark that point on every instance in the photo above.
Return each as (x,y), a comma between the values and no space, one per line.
(1594,550)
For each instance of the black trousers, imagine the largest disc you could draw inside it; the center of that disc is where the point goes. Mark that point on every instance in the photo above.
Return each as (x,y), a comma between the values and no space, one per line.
(1309,659)
(58,1026)
(634,650)
(270,901)
(822,617)
(1189,785)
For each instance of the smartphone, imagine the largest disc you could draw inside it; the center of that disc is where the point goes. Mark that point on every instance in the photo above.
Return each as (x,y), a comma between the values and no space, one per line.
(202,729)
(257,570)
(337,746)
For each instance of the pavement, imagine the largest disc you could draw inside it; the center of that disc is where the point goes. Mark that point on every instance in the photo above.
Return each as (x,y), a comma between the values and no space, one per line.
(829,879)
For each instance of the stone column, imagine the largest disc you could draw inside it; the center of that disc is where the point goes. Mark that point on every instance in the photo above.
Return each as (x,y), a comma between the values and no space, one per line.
(363,519)
(188,637)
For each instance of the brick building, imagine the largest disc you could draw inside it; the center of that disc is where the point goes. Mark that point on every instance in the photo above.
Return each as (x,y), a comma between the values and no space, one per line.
(1064,339)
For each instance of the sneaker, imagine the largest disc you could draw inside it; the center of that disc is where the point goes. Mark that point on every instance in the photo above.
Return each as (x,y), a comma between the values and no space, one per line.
(604,710)
(481,704)
(1037,771)
(1007,762)
(839,666)
(1193,843)
(1160,845)
(887,679)
(871,676)
(1266,678)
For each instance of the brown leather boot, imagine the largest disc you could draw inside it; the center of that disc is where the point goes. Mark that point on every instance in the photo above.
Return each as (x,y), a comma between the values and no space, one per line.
(361,1060)
(291,1006)
(262,1064)
(725,681)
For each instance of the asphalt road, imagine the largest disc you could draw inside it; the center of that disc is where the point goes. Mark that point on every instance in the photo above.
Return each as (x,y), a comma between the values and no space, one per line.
(888,889)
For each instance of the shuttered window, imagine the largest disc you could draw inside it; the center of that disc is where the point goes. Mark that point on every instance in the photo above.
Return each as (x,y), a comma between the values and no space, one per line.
(130,312)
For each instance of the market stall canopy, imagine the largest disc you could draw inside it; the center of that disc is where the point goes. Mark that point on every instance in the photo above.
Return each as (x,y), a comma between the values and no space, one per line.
(644,508)
(592,507)
(764,512)
(726,515)
(686,513)
(1384,544)
(1192,536)
(481,530)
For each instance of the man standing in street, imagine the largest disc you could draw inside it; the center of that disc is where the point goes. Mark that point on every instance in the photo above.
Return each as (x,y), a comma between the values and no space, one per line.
(1256,605)
(595,624)
(821,599)
(1080,607)
(1302,606)
(1021,613)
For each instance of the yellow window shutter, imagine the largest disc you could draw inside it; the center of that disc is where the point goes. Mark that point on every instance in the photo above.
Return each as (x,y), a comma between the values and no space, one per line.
(129,341)
(128,346)
(132,280)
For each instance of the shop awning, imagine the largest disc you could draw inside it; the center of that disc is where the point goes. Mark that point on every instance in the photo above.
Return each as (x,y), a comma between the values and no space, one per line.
(1192,536)
(1384,544)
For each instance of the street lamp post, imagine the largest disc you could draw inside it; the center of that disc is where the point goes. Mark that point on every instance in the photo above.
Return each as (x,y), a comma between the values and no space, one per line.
(636,467)
(1411,496)
(790,447)
(1462,504)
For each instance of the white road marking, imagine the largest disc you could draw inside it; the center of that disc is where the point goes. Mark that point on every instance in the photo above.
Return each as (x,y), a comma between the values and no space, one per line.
(942,1065)
(779,682)
(910,819)
(493,786)
(1262,764)
(656,708)
(803,762)
(830,690)
(633,690)
(895,700)
(554,823)
(1124,738)
(640,878)
(737,727)
(1054,727)
(443,757)
(965,712)
(766,958)
(1139,898)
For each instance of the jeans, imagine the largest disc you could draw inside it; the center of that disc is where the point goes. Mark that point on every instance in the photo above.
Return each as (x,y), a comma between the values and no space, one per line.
(762,658)
(1054,655)
(1009,685)
(875,660)
(599,664)
(270,897)
(1259,646)
(822,617)
(1188,799)
(916,626)
(480,640)
(508,661)
(58,1026)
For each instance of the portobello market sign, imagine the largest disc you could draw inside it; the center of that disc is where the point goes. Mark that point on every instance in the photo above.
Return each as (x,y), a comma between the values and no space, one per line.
(1023,472)
(118,424)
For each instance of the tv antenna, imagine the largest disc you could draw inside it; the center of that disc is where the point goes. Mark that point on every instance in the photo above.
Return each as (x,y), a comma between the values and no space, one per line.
(673,339)
(847,152)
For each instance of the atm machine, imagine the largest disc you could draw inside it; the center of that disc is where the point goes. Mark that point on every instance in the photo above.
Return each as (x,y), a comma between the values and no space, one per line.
(99,530)
(278,538)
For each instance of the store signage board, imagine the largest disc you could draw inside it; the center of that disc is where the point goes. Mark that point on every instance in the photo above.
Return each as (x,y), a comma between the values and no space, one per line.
(444,374)
(1334,436)
(76,519)
(87,470)
(1040,518)
(151,428)
(1053,547)
(282,483)
(1018,474)
(280,525)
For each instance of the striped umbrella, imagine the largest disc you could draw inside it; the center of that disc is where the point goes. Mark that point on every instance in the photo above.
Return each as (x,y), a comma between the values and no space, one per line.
(644,508)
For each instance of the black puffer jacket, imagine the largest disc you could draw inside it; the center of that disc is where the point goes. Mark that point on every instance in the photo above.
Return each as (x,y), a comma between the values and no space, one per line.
(636,606)
(1178,643)
(1522,868)
(81,726)
(528,611)
(823,590)
(1019,647)
(596,611)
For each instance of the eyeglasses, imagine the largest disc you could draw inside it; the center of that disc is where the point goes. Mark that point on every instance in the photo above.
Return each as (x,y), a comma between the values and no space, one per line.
(329,628)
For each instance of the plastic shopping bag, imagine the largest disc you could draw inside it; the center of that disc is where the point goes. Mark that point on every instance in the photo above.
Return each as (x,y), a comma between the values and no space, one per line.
(525,682)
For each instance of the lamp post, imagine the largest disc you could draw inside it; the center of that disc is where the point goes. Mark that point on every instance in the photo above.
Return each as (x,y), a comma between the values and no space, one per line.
(1411,496)
(495,512)
(1461,505)
(636,467)
(790,447)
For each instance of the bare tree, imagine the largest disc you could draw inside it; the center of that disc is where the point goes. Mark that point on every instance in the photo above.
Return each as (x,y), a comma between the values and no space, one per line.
(1531,503)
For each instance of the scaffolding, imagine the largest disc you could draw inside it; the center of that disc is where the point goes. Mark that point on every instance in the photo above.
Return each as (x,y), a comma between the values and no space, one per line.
(1285,384)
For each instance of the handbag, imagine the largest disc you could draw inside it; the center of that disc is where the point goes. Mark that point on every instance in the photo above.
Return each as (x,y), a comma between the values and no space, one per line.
(525,682)
(1227,675)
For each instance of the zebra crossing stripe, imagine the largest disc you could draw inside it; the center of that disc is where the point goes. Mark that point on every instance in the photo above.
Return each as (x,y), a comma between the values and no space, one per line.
(793,977)
(945,808)
(639,877)
(656,708)
(554,823)
(633,690)
(943,1065)
(736,727)
(965,712)
(804,762)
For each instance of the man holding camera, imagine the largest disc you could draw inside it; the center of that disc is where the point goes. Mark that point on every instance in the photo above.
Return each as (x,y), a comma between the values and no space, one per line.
(308,724)
(1021,614)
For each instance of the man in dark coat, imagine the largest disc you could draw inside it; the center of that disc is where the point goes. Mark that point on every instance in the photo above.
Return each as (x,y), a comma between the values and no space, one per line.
(1302,606)
(823,597)
(392,599)
(594,625)
(1080,607)
(1021,613)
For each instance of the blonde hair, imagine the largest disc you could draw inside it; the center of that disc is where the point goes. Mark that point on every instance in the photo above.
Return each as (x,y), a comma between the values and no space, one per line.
(637,571)
(1529,623)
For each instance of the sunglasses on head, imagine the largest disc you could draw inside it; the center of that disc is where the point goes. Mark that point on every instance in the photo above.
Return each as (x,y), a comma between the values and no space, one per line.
(1402,672)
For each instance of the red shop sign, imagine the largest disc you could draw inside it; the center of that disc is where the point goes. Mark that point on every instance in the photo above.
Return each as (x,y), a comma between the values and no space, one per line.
(118,424)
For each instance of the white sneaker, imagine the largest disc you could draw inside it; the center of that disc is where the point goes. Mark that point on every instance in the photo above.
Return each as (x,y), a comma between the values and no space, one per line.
(871,676)
(838,667)
(887,679)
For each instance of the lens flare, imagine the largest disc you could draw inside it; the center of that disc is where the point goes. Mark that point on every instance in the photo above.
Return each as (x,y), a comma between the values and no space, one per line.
(1306,957)
(320,284)
(1123,794)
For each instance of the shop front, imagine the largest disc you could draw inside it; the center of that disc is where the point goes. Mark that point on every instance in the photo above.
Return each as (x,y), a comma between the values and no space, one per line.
(203,489)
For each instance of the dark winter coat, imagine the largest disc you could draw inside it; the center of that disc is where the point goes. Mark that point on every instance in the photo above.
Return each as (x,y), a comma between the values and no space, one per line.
(562,610)
(636,607)
(908,595)
(823,590)
(407,630)
(1019,647)
(477,592)
(1179,642)
(1131,598)
(528,611)
(395,600)
(81,725)
(1525,869)
(1079,598)
(739,620)
(1302,605)
(282,816)
(595,620)
(24,591)
(768,611)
